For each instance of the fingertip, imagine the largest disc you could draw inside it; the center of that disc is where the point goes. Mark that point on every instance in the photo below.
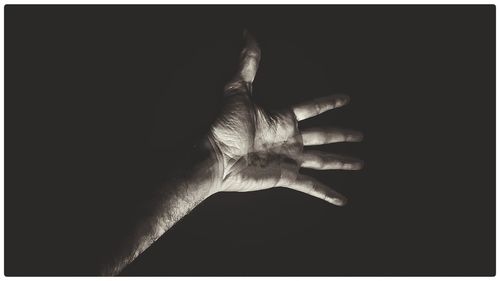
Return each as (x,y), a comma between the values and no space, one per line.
(251,45)
(341,202)
(355,136)
(358,165)
(341,99)
(360,136)
(361,164)
(338,201)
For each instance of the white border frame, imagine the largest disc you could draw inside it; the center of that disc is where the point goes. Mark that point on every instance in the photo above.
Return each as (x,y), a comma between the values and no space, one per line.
(2,124)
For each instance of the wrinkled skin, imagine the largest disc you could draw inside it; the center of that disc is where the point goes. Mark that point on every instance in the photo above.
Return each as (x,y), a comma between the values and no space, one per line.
(257,149)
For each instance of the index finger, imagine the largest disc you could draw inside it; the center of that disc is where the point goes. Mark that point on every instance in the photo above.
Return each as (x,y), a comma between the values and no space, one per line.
(317,106)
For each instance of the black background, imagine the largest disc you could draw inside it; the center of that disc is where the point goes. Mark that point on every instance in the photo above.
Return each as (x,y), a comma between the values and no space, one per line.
(100,101)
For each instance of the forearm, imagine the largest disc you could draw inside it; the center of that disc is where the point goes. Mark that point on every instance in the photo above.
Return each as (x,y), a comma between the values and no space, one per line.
(185,188)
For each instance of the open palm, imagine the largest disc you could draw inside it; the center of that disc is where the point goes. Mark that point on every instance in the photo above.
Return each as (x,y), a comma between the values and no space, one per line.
(257,149)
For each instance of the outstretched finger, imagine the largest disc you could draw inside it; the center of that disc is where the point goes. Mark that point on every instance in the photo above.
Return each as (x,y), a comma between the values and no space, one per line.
(317,106)
(248,65)
(315,188)
(319,136)
(320,160)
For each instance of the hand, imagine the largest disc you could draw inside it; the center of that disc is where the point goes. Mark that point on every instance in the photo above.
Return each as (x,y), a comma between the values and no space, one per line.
(257,149)
(252,149)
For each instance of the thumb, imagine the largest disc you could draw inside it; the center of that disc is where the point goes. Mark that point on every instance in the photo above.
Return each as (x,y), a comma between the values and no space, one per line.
(248,65)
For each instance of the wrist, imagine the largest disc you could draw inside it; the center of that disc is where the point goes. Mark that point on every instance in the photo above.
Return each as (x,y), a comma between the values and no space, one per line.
(206,170)
(215,161)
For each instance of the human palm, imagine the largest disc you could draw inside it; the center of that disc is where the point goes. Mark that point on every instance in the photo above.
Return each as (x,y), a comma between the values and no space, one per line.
(258,149)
